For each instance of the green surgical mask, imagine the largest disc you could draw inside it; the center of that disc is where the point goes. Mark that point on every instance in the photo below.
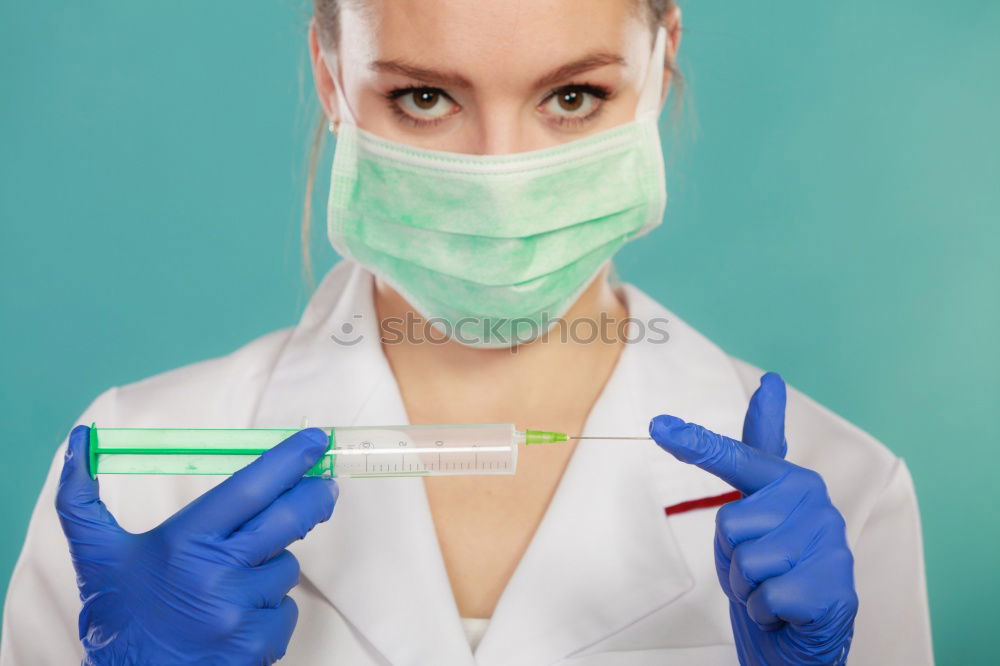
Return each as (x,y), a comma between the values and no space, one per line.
(493,249)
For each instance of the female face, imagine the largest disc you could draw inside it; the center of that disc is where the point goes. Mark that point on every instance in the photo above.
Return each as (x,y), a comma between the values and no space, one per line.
(488,76)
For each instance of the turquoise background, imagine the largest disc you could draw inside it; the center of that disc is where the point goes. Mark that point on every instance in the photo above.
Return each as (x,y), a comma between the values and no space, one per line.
(834,216)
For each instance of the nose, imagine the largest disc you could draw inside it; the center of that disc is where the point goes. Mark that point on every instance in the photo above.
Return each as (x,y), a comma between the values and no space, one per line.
(501,131)
(498,133)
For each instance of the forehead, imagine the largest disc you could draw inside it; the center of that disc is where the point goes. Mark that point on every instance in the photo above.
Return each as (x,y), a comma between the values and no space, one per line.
(495,38)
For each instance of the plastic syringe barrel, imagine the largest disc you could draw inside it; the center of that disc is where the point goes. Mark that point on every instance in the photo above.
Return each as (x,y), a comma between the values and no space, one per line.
(353,451)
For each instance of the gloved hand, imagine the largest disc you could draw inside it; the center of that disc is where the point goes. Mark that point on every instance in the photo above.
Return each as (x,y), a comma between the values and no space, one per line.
(780,552)
(208,586)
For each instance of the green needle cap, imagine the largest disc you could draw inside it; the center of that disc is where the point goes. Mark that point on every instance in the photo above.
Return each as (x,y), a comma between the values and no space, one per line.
(543,437)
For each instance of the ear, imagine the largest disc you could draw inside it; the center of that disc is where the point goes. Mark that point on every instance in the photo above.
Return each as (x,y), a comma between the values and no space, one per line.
(672,22)
(322,77)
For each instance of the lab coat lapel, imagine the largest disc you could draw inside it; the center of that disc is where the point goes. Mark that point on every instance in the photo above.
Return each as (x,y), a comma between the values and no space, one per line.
(604,555)
(377,560)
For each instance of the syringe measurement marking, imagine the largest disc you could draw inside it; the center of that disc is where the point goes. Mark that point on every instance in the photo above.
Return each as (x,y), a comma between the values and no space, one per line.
(441,465)
(457,449)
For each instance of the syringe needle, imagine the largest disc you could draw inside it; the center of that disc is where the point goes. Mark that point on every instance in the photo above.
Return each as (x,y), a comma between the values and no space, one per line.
(582,437)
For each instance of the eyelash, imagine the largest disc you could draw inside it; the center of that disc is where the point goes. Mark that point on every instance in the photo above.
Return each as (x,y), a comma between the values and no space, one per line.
(396,93)
(600,92)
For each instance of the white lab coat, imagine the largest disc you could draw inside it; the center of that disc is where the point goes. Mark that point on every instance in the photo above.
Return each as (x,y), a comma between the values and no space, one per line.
(608,579)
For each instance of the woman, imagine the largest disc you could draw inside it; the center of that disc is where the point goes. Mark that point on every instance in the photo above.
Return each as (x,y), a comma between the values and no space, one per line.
(593,554)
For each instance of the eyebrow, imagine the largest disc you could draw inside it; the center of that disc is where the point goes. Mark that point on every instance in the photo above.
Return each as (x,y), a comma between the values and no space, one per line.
(456,80)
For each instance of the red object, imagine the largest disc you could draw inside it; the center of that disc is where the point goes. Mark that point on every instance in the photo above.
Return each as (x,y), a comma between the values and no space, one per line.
(703,503)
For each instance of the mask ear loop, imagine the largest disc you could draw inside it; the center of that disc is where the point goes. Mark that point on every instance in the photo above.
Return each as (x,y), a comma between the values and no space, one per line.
(343,110)
(649,96)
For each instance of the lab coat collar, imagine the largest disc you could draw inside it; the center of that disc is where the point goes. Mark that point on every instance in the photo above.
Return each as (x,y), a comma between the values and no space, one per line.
(603,556)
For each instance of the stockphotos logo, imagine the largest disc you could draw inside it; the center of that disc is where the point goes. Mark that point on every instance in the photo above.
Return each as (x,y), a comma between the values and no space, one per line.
(499,332)
(349,333)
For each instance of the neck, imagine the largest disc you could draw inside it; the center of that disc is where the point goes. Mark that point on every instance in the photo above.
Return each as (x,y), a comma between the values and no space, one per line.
(509,380)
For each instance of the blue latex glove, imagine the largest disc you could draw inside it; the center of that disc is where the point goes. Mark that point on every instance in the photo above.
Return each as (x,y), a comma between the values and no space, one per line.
(781,552)
(208,586)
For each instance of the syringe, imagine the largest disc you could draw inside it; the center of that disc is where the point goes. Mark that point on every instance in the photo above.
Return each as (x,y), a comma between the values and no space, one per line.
(356,451)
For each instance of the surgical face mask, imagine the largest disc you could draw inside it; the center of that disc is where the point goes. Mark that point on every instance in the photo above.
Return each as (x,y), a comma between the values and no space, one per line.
(492,249)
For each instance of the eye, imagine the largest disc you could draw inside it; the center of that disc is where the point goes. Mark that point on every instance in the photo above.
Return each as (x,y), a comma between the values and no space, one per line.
(422,106)
(575,102)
